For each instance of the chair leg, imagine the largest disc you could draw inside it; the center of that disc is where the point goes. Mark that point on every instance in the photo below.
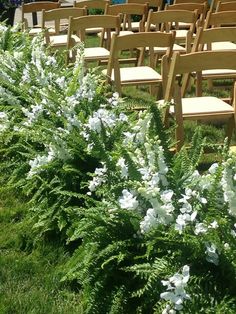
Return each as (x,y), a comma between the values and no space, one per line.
(230,128)
(210,84)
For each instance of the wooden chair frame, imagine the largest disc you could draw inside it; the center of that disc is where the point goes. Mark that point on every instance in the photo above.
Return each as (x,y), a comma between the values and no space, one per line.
(79,25)
(34,7)
(197,62)
(137,41)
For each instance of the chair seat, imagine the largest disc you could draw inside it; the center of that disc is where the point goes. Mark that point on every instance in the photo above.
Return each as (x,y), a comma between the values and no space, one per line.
(37,30)
(61,40)
(162,50)
(197,106)
(219,73)
(181,34)
(121,33)
(98,53)
(142,73)
(224,45)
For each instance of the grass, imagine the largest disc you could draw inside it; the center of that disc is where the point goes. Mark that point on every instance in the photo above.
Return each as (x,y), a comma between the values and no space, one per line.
(30,275)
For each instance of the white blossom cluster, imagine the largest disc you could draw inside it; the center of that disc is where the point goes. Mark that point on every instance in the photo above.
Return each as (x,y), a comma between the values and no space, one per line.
(98,179)
(38,162)
(128,200)
(7,97)
(176,292)
(195,187)
(188,214)
(228,183)
(33,114)
(148,156)
(4,121)
(211,253)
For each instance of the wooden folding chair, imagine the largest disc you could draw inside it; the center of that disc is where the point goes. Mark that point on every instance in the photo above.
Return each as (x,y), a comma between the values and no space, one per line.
(79,26)
(200,7)
(164,21)
(218,19)
(155,5)
(226,6)
(34,8)
(213,39)
(59,41)
(140,74)
(197,108)
(127,12)
(214,4)
(188,1)
(93,7)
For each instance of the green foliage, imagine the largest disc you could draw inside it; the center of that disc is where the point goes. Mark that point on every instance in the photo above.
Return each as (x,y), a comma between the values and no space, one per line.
(147,231)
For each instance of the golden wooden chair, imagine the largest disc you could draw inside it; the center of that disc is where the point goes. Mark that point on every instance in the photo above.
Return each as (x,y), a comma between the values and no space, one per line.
(57,40)
(164,21)
(217,38)
(127,12)
(79,25)
(200,7)
(214,4)
(197,108)
(226,6)
(155,5)
(140,74)
(27,9)
(92,6)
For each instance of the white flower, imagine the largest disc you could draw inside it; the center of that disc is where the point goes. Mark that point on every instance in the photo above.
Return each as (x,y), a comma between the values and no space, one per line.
(226,246)
(200,228)
(38,162)
(98,179)
(99,118)
(128,200)
(149,221)
(114,100)
(4,121)
(211,252)
(176,293)
(213,225)
(123,167)
(213,168)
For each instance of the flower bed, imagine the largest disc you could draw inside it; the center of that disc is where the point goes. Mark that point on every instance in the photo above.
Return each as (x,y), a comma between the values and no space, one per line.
(155,235)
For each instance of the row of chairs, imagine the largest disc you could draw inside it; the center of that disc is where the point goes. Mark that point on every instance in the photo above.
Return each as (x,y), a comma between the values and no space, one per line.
(180,63)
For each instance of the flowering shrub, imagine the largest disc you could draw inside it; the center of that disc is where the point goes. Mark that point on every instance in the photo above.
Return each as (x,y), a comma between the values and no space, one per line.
(163,234)
(155,234)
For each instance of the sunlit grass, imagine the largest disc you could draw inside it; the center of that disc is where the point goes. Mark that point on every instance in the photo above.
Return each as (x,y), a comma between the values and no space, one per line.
(30,276)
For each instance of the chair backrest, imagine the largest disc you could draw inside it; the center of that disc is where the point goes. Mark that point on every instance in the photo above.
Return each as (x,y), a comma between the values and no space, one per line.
(92,5)
(200,7)
(217,19)
(205,37)
(226,6)
(129,10)
(188,1)
(196,62)
(34,7)
(140,40)
(56,15)
(214,3)
(79,25)
(166,19)
(154,4)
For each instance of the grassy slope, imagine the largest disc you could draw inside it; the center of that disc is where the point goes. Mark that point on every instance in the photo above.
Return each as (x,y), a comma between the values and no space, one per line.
(30,278)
